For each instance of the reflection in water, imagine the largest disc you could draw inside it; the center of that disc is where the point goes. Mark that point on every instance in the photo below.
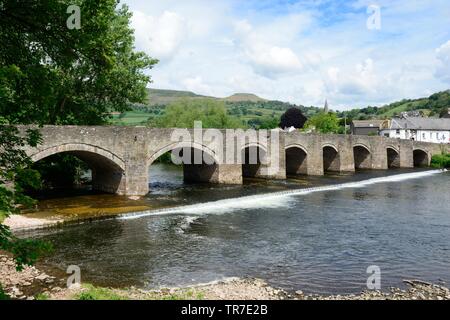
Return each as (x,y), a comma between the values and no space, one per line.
(319,242)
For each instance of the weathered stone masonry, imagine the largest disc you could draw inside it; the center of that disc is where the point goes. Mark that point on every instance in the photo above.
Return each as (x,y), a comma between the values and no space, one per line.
(120,156)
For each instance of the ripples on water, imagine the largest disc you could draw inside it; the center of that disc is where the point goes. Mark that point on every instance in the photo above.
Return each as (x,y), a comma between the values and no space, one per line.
(320,241)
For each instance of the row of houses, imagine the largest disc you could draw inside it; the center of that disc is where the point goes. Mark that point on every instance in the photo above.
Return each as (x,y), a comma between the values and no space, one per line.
(412,128)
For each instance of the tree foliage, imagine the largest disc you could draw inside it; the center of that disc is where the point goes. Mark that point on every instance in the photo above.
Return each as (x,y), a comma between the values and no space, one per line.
(50,74)
(183,113)
(53,75)
(15,177)
(293,117)
(324,123)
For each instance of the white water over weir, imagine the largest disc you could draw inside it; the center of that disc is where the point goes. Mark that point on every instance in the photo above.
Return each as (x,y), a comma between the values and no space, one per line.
(269,200)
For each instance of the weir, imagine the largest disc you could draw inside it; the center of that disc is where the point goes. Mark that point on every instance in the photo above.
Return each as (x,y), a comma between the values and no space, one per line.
(120,156)
(274,199)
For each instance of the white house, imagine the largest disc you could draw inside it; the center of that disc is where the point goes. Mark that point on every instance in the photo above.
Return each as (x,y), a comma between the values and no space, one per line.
(418,129)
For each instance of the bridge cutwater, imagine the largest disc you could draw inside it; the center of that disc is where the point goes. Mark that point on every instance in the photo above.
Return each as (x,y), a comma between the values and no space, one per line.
(119,157)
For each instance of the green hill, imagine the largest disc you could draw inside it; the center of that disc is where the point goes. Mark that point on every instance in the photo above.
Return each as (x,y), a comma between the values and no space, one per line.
(164,97)
(249,108)
(243,97)
(431,106)
(253,110)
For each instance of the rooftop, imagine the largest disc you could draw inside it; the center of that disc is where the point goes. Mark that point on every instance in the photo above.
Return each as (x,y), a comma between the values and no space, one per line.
(367,123)
(421,123)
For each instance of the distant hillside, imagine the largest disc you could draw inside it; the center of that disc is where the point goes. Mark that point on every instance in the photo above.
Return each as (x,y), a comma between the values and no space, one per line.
(430,106)
(249,108)
(164,97)
(244,97)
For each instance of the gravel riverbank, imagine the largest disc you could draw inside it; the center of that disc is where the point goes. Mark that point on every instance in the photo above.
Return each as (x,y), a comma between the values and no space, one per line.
(33,283)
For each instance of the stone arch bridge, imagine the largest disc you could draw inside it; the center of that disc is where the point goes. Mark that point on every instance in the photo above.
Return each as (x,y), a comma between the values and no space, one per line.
(120,156)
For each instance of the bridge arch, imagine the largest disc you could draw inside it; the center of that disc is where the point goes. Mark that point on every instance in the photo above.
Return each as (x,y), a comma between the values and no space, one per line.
(253,158)
(331,158)
(296,159)
(393,157)
(203,171)
(107,168)
(181,145)
(362,156)
(421,158)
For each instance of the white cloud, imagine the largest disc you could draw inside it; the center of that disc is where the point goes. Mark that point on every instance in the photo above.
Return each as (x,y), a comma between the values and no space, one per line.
(160,36)
(196,84)
(443,56)
(262,52)
(362,81)
(300,53)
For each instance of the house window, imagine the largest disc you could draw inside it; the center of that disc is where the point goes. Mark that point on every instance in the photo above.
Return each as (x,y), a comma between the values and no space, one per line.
(397,131)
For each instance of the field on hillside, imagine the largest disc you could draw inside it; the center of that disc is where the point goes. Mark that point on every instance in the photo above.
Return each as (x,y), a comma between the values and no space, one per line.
(249,109)
(135,118)
(253,110)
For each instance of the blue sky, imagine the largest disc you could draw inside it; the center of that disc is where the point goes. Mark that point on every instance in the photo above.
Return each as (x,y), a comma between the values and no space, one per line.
(298,51)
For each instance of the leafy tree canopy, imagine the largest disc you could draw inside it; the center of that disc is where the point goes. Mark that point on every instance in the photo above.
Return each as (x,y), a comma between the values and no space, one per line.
(50,74)
(293,117)
(324,123)
(183,113)
(15,176)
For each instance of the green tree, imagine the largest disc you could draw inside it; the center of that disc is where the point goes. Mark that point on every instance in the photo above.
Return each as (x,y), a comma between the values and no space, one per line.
(269,123)
(50,74)
(15,177)
(324,122)
(183,113)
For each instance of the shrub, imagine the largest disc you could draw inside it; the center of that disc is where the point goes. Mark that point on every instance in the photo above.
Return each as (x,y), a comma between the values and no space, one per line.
(441,160)
(96,293)
(3,295)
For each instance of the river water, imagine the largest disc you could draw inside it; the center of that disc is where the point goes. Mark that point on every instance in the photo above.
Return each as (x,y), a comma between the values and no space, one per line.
(317,234)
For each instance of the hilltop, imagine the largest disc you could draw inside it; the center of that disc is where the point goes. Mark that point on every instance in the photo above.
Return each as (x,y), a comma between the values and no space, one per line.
(164,97)
(244,97)
(249,108)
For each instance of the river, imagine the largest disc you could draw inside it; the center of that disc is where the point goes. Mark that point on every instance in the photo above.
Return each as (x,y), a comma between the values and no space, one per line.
(317,234)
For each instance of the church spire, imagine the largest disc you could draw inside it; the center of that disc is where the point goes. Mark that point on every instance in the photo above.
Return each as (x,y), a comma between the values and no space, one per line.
(325,108)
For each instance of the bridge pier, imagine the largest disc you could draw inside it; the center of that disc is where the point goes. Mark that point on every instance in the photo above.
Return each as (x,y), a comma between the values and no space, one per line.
(136,179)
(379,155)
(346,156)
(315,160)
(406,154)
(216,173)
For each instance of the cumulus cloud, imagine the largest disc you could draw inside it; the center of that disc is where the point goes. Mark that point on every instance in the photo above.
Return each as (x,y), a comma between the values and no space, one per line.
(300,53)
(267,58)
(443,56)
(196,84)
(362,81)
(159,36)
